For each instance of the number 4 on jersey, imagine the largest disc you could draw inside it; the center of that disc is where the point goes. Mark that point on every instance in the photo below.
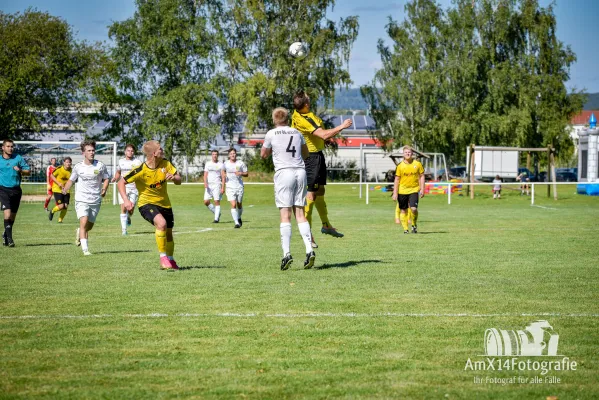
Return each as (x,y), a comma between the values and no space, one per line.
(291,149)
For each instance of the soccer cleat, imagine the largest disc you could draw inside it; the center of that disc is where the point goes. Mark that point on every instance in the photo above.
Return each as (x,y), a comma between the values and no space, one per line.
(414,229)
(215,221)
(310,257)
(406,232)
(314,245)
(240,222)
(87,253)
(128,220)
(237,226)
(60,220)
(165,263)
(286,262)
(4,239)
(174,264)
(124,233)
(77,239)
(331,231)
(50,215)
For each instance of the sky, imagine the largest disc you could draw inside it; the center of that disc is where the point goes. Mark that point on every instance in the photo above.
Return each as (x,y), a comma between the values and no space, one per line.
(575,24)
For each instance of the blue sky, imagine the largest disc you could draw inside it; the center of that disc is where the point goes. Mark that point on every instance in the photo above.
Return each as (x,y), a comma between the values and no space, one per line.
(575,25)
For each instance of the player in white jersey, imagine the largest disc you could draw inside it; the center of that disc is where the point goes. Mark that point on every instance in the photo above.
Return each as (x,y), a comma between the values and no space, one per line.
(92,183)
(235,169)
(214,178)
(288,148)
(126,165)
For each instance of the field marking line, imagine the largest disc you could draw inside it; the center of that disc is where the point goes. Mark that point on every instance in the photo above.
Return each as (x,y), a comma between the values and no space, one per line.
(546,208)
(302,315)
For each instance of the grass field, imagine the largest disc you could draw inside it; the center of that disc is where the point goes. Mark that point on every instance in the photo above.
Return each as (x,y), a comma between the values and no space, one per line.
(383,314)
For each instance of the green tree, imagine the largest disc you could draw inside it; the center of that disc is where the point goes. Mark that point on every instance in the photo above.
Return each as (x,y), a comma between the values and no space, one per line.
(42,67)
(166,59)
(499,73)
(260,73)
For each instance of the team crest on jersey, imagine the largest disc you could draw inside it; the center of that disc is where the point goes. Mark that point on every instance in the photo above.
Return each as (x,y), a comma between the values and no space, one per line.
(163,170)
(96,171)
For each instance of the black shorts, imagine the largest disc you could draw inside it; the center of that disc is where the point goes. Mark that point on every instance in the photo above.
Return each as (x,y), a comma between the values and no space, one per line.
(60,198)
(316,171)
(408,199)
(149,211)
(10,198)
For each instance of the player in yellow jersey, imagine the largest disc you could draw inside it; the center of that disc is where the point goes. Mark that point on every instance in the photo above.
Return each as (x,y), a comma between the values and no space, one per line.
(154,205)
(408,188)
(312,129)
(59,179)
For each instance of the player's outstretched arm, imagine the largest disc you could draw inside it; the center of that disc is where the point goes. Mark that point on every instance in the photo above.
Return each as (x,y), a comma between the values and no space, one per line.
(326,134)
(67,186)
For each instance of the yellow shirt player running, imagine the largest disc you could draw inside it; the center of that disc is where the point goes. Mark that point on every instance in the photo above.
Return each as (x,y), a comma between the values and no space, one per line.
(154,205)
(408,187)
(59,179)
(311,127)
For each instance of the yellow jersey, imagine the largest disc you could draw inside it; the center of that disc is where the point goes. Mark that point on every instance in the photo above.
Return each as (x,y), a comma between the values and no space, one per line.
(61,175)
(151,183)
(307,124)
(408,176)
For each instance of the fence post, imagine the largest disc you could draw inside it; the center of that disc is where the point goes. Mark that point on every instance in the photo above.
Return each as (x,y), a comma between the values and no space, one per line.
(367,192)
(532,194)
(360,179)
(449,193)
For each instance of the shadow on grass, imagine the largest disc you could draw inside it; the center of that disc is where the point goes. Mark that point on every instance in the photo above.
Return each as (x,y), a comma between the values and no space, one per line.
(202,267)
(347,264)
(121,251)
(48,244)
(431,233)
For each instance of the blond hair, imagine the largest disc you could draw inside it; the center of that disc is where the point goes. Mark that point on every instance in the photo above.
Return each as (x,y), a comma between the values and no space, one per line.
(150,147)
(280,116)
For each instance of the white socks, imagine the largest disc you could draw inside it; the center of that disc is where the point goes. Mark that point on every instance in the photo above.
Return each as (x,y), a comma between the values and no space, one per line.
(216,213)
(84,245)
(211,207)
(286,237)
(235,215)
(124,222)
(304,229)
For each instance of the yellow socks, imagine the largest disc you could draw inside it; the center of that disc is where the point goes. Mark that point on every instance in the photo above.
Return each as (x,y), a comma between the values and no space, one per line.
(63,212)
(321,206)
(410,217)
(170,248)
(308,208)
(414,218)
(404,220)
(397,212)
(55,209)
(161,242)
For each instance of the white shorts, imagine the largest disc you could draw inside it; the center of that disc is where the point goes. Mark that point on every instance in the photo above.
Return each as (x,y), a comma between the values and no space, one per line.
(235,194)
(87,210)
(290,187)
(132,195)
(213,192)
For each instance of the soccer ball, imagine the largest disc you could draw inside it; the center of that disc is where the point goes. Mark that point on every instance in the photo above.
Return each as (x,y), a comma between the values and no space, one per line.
(298,50)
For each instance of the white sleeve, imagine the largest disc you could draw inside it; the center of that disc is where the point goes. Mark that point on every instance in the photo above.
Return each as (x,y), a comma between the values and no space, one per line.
(104,172)
(302,139)
(243,167)
(267,141)
(74,175)
(118,166)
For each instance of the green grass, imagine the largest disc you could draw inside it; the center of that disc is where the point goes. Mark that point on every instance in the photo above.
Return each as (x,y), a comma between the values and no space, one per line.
(376,318)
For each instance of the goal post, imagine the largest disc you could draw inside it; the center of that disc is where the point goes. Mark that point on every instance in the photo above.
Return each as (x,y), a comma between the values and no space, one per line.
(38,154)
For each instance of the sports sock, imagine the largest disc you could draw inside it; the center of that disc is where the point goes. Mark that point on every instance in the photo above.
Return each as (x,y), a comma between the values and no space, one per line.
(414,218)
(309,207)
(396,210)
(8,228)
(84,245)
(63,212)
(403,217)
(235,215)
(240,211)
(285,237)
(211,207)
(304,229)
(55,209)
(170,249)
(410,216)
(321,207)
(124,221)
(216,213)
(47,202)
(161,242)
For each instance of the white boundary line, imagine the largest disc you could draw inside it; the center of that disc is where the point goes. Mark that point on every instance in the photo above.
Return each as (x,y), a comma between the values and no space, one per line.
(300,315)
(546,208)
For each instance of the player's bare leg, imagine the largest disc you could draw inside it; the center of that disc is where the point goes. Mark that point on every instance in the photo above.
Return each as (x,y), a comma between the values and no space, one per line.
(310,200)
(414,219)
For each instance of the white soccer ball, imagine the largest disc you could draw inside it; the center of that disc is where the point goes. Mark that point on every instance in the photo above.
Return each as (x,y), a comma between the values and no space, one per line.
(298,50)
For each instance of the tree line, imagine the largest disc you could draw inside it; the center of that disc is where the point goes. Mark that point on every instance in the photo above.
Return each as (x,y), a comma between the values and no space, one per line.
(486,72)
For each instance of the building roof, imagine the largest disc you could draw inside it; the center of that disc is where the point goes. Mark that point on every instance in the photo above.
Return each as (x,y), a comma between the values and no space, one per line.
(583,117)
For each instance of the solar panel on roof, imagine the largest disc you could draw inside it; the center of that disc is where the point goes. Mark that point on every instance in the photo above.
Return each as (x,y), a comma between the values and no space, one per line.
(360,121)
